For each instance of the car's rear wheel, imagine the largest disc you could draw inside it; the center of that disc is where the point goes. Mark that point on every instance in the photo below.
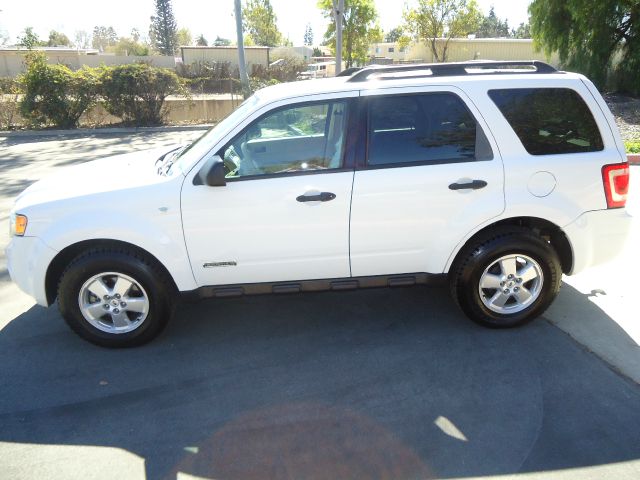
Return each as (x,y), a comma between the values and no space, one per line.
(115,298)
(506,278)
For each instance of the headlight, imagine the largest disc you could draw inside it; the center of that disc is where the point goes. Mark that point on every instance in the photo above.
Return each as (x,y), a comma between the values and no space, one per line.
(17,224)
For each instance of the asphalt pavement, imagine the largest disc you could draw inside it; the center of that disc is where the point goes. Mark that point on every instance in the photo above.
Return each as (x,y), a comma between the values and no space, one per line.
(377,384)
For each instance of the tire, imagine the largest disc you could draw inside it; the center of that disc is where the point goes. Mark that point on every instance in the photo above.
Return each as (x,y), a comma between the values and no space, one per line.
(479,279)
(138,304)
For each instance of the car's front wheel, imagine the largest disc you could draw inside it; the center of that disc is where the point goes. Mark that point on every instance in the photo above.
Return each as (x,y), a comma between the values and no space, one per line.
(115,298)
(507,278)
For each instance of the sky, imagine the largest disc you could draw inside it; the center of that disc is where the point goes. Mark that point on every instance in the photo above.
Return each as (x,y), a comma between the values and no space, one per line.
(211,18)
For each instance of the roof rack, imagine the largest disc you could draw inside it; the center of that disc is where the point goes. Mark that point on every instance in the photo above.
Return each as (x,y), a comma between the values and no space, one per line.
(453,68)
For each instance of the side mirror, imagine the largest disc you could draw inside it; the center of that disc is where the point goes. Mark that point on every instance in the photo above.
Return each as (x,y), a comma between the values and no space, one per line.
(212,173)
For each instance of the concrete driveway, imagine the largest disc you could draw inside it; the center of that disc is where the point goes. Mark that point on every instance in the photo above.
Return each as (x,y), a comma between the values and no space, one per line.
(374,384)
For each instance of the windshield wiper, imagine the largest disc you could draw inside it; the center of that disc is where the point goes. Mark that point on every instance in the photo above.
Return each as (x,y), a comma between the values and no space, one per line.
(168,158)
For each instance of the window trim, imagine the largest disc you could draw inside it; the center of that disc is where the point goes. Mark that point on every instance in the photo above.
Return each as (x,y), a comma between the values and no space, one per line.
(524,148)
(364,164)
(345,164)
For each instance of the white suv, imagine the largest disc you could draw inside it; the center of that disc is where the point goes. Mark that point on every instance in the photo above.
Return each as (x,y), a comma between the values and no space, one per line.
(496,177)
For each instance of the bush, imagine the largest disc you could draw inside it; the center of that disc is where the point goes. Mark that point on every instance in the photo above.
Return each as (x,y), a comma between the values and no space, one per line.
(282,70)
(136,93)
(632,147)
(9,102)
(54,94)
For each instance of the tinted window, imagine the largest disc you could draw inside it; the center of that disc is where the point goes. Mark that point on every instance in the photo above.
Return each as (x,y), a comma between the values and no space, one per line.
(435,127)
(293,139)
(549,120)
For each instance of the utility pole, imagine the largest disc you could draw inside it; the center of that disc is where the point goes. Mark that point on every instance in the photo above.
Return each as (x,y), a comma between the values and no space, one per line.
(242,66)
(338,12)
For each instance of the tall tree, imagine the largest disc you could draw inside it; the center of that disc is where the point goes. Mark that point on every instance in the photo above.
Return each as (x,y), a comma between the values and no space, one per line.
(104,37)
(393,35)
(438,21)
(164,28)
(360,29)
(260,22)
(492,26)
(308,35)
(58,39)
(589,35)
(201,41)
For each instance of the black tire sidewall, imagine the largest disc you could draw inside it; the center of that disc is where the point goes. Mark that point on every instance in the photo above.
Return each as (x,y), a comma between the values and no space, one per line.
(467,285)
(95,263)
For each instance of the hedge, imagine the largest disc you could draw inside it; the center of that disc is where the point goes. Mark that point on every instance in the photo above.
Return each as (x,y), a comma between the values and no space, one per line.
(55,95)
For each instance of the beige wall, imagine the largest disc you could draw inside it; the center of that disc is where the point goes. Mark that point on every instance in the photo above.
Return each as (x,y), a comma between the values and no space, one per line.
(253,55)
(12,63)
(200,109)
(461,49)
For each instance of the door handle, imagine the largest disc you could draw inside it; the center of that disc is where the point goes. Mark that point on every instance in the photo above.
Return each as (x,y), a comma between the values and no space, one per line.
(474,185)
(319,197)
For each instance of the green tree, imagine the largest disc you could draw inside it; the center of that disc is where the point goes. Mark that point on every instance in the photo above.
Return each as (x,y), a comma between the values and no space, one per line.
(523,31)
(492,26)
(223,42)
(130,46)
(104,37)
(201,41)
(360,29)
(164,29)
(393,35)
(308,35)
(58,39)
(29,39)
(184,37)
(260,21)
(438,21)
(588,36)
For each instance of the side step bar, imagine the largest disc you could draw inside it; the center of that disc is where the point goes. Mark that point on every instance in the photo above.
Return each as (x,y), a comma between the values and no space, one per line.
(338,284)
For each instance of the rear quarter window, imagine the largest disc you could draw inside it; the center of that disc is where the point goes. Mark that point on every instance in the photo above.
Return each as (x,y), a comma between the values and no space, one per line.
(549,121)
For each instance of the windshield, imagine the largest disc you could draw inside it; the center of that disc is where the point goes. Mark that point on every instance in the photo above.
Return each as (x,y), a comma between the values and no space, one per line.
(206,142)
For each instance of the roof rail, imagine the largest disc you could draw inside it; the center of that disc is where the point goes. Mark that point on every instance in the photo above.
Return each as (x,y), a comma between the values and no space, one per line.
(453,68)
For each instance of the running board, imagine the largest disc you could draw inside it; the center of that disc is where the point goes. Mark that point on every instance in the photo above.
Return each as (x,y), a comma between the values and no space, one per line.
(337,284)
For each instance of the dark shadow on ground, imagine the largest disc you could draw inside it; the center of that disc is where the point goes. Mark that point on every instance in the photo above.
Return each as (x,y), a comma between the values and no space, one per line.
(366,384)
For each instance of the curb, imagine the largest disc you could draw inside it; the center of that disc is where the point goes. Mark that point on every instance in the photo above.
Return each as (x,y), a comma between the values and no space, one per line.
(633,158)
(101,131)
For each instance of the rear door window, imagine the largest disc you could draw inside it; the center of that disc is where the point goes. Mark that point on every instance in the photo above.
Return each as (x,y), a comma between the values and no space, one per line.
(423,129)
(549,121)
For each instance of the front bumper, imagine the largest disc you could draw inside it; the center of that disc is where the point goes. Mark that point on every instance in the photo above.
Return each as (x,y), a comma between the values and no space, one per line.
(597,237)
(27,261)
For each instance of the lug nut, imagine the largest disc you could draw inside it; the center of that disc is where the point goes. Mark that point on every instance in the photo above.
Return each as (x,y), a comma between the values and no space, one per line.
(107,297)
(519,280)
(122,304)
(510,276)
(516,289)
(117,295)
(106,307)
(116,311)
(502,284)
(506,291)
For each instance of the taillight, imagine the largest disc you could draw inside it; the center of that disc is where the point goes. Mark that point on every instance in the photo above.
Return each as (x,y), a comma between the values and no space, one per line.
(616,184)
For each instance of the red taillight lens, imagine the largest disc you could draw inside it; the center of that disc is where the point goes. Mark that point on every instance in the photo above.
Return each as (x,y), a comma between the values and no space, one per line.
(616,184)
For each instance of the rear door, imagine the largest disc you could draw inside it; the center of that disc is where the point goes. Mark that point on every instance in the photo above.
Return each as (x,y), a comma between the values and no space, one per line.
(432,173)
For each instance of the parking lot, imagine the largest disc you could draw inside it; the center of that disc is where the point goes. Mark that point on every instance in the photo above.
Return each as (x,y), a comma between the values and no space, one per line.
(377,384)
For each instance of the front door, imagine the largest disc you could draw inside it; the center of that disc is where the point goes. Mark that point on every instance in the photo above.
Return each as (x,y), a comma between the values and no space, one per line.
(284,212)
